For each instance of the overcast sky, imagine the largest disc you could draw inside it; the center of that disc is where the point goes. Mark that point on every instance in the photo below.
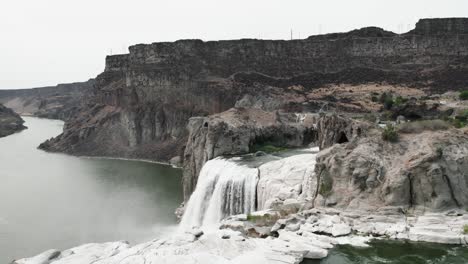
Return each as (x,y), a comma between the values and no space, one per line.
(45,42)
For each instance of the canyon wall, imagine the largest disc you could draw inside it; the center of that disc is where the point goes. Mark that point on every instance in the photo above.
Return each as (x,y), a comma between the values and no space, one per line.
(55,102)
(143,100)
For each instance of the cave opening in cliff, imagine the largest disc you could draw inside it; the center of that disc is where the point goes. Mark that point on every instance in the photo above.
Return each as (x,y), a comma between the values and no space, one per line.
(342,138)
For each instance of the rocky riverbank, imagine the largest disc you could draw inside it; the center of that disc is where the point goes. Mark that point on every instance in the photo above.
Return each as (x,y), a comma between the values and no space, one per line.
(10,122)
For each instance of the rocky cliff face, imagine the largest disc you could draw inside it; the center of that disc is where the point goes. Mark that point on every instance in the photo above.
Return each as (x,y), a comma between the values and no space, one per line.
(240,131)
(55,102)
(143,100)
(10,122)
(424,171)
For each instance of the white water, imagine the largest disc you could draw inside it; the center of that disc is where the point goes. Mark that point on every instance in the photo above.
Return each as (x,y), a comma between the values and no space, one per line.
(224,188)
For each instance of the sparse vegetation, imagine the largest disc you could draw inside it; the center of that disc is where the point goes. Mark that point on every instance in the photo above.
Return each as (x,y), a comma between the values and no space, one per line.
(253,218)
(388,101)
(464,95)
(459,121)
(390,133)
(372,118)
(265,219)
(420,126)
(399,101)
(465,229)
(326,185)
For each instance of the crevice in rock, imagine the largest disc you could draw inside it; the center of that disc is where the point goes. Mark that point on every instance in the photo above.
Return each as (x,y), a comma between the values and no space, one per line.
(256,190)
(452,194)
(411,191)
(319,176)
(342,138)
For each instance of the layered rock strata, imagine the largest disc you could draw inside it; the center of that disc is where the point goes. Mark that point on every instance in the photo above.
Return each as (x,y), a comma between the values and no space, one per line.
(55,102)
(146,97)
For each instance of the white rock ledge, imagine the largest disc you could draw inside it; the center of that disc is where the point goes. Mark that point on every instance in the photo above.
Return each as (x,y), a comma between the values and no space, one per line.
(308,234)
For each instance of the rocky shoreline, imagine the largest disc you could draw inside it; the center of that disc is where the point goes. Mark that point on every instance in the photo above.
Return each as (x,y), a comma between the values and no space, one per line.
(10,122)
(307,235)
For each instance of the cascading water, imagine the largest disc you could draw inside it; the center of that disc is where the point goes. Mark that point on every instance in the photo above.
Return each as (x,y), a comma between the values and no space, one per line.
(224,188)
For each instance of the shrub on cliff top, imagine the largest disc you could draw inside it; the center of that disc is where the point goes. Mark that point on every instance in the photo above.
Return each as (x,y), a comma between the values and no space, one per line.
(390,134)
(464,95)
(420,126)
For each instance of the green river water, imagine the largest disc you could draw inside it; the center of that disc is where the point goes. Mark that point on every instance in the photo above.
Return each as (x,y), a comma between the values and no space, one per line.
(57,201)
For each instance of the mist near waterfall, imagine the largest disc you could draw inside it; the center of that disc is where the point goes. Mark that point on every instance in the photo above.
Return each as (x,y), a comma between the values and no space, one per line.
(58,201)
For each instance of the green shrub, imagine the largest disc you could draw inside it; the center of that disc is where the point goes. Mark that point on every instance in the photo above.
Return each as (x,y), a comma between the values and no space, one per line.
(326,185)
(386,100)
(383,97)
(388,103)
(420,126)
(457,123)
(463,116)
(399,101)
(465,229)
(390,134)
(464,95)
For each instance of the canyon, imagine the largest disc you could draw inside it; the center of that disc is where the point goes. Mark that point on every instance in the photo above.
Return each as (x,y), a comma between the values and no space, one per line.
(281,142)
(143,100)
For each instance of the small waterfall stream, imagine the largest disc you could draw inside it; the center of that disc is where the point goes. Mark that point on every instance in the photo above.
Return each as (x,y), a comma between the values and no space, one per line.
(224,188)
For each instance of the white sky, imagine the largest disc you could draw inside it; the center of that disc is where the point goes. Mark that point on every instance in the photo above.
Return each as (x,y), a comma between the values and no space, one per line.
(45,42)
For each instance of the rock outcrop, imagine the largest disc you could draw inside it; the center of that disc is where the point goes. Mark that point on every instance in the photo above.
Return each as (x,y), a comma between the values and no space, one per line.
(10,122)
(239,131)
(222,246)
(55,102)
(146,97)
(337,129)
(421,172)
(309,234)
(284,183)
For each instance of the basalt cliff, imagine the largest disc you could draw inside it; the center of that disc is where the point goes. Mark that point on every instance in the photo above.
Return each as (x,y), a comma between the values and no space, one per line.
(56,102)
(142,102)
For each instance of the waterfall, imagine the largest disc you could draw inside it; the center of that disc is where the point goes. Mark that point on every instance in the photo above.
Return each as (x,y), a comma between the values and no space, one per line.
(224,188)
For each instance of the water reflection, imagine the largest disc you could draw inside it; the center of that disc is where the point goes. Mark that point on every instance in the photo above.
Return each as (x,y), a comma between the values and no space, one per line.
(58,201)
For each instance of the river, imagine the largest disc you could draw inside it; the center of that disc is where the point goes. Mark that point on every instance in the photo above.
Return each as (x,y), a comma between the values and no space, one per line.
(50,200)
